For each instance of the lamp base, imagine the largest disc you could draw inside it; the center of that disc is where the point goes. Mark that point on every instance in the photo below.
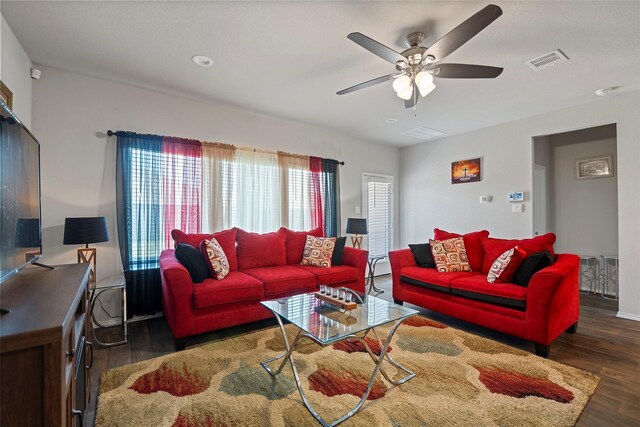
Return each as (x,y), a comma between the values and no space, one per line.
(356,241)
(88,255)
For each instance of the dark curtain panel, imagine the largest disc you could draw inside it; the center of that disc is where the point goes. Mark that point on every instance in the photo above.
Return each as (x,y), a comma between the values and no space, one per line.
(331,197)
(138,197)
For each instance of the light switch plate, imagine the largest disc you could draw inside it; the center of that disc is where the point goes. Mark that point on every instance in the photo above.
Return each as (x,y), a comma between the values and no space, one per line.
(356,209)
(518,207)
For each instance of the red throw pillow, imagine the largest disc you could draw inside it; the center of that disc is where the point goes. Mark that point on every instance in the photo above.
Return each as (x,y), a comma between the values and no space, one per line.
(493,248)
(226,239)
(505,266)
(261,250)
(295,241)
(472,243)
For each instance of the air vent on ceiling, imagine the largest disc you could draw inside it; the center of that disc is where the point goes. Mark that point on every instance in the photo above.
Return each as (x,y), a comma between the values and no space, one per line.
(547,60)
(423,133)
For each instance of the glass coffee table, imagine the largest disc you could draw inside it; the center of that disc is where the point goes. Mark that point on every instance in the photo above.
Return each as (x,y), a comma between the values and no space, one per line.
(325,325)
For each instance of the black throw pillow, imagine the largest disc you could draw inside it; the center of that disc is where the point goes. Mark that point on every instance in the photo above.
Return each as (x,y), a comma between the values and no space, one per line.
(338,251)
(422,254)
(193,261)
(531,265)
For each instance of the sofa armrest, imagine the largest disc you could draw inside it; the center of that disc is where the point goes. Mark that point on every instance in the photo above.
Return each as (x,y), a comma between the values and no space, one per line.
(177,289)
(399,259)
(553,299)
(356,258)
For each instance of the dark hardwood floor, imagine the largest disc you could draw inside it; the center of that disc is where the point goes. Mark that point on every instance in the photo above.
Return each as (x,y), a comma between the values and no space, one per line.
(604,344)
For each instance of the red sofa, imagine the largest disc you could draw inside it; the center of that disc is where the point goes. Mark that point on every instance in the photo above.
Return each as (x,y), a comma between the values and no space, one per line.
(540,312)
(265,266)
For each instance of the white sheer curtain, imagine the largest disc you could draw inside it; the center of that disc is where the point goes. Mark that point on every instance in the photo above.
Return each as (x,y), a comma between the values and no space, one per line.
(256,191)
(295,181)
(218,192)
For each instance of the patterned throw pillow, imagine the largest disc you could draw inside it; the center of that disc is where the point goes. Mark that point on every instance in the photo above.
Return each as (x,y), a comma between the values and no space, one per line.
(506,265)
(450,255)
(216,259)
(318,251)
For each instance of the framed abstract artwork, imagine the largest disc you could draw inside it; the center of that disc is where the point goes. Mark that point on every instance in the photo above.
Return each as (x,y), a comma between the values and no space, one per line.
(595,167)
(464,171)
(6,95)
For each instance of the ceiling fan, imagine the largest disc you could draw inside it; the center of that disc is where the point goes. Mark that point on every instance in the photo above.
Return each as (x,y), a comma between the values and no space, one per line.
(418,65)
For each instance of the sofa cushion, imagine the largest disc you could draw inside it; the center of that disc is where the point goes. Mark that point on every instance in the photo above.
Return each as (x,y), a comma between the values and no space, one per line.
(226,238)
(430,278)
(295,240)
(338,251)
(236,287)
(472,243)
(261,250)
(283,279)
(216,260)
(475,286)
(531,265)
(422,254)
(493,248)
(332,276)
(318,251)
(193,261)
(450,255)
(505,266)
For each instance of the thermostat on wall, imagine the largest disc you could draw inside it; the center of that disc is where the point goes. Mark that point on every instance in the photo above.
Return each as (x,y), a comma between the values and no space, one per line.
(516,196)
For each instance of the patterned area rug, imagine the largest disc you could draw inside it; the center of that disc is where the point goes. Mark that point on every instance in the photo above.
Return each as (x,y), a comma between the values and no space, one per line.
(461,379)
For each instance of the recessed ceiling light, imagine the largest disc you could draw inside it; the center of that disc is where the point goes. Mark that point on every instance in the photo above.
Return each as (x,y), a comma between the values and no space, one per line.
(391,120)
(203,61)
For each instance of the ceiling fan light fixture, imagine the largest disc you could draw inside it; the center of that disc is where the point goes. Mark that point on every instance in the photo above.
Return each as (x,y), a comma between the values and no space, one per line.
(401,84)
(426,89)
(406,93)
(424,79)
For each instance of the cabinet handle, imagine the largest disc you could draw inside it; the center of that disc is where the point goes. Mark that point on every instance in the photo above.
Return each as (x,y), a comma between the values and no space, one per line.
(89,347)
(77,413)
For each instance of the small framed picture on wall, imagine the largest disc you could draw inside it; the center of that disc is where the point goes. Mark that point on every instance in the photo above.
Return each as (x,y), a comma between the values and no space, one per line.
(596,167)
(6,95)
(464,171)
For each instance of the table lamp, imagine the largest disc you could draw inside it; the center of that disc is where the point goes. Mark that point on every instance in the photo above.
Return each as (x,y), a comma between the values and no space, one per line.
(356,226)
(85,230)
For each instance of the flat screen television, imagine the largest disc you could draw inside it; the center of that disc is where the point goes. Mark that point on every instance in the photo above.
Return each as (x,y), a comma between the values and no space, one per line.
(20,216)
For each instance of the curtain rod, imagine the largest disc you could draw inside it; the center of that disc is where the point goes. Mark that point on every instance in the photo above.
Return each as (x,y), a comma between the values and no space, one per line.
(112,133)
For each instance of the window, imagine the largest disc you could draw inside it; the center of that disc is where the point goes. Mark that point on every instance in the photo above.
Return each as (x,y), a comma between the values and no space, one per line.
(377,195)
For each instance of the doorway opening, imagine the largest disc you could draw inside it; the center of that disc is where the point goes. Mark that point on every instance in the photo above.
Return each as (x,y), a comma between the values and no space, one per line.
(575,196)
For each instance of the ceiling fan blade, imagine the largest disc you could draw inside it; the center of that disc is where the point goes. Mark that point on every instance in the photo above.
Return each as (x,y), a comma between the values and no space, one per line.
(366,84)
(467,71)
(464,32)
(376,48)
(411,102)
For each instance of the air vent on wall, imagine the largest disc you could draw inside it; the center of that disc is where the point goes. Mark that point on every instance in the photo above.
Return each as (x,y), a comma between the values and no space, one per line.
(547,60)
(423,133)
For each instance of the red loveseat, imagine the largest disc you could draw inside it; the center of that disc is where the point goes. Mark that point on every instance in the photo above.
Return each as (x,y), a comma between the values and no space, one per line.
(263,266)
(539,312)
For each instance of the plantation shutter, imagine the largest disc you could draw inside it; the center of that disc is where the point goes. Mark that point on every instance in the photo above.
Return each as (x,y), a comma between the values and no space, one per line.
(379,215)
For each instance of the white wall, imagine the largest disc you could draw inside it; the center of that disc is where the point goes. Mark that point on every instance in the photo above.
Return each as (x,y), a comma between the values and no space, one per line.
(72,112)
(15,69)
(585,211)
(429,200)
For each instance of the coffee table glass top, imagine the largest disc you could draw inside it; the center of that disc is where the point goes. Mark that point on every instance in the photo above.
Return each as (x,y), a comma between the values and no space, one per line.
(330,324)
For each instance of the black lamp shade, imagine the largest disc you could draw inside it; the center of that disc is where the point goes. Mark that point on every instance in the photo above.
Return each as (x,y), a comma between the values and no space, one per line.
(82,231)
(28,233)
(356,226)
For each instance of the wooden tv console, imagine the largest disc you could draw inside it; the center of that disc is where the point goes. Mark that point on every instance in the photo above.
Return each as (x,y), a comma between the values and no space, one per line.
(44,365)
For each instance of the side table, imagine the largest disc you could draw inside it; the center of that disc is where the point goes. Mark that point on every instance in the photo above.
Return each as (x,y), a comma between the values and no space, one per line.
(95,292)
(372,262)
(589,274)
(609,276)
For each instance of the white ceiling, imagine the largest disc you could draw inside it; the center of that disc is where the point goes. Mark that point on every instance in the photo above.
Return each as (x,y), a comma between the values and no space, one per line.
(288,59)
